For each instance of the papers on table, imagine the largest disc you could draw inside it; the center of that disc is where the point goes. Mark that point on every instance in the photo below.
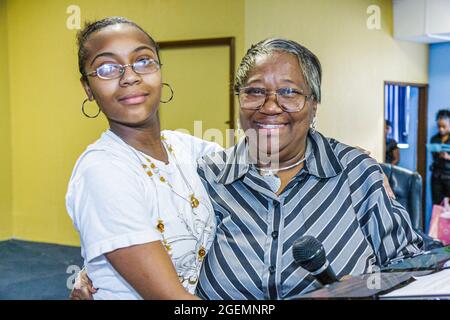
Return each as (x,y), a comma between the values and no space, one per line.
(435,284)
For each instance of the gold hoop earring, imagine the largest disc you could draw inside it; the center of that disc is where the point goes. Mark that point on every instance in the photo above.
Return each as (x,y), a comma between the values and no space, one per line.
(84,112)
(171,93)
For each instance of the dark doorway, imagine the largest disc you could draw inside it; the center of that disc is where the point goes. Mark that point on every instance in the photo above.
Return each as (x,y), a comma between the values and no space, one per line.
(404,125)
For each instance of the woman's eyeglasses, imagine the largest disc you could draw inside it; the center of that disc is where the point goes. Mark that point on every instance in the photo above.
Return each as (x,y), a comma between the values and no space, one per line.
(109,71)
(289,99)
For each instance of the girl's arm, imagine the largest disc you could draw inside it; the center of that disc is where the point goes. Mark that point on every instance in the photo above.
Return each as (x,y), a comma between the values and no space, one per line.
(150,271)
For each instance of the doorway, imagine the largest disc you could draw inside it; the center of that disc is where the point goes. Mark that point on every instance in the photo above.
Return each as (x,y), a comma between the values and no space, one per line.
(405,106)
(201,73)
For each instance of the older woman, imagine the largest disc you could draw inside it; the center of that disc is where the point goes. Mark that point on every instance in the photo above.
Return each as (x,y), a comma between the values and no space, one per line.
(285,180)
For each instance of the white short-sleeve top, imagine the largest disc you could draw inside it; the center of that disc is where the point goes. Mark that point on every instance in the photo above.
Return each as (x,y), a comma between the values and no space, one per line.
(114,204)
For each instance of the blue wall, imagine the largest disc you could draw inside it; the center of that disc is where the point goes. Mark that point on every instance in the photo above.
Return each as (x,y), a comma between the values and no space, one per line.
(439,98)
(408,156)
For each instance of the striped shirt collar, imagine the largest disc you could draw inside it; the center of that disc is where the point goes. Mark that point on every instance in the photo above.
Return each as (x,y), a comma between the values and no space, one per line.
(233,163)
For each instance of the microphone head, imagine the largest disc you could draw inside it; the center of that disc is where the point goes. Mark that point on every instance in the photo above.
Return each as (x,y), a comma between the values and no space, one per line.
(309,253)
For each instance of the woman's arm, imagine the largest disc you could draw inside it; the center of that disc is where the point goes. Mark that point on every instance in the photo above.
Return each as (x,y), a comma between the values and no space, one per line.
(150,271)
(385,223)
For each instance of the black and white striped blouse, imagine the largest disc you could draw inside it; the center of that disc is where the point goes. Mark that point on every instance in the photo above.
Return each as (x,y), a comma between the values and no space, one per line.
(338,197)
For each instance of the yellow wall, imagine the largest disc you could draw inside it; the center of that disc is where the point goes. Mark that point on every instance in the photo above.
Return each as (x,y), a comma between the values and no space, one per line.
(355,60)
(5,132)
(200,79)
(48,130)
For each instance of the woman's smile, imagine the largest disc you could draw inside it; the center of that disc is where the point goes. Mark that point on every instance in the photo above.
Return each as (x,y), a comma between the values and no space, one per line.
(134,98)
(270,127)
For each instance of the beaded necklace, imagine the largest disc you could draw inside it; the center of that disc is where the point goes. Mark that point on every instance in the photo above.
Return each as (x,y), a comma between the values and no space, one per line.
(153,172)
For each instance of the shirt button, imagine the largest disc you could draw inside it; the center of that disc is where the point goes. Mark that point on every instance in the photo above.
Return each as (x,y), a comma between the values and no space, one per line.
(275,234)
(272,269)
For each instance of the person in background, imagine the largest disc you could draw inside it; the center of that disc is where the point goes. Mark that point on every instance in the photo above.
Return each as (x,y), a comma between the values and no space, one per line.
(392,151)
(440,168)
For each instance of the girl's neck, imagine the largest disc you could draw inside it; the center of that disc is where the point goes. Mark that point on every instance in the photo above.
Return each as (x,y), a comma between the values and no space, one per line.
(145,139)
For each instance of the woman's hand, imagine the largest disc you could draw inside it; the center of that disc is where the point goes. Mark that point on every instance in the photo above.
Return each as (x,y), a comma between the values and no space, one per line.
(386,184)
(363,150)
(388,188)
(346,277)
(444,155)
(83,288)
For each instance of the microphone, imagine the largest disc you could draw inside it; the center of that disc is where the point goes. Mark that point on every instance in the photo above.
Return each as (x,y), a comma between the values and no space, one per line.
(310,254)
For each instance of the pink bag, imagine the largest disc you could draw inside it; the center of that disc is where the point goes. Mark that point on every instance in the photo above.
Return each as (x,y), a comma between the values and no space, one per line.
(440,222)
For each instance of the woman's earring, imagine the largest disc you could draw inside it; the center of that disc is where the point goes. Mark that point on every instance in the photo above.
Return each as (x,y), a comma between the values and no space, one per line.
(313,125)
(87,115)
(171,93)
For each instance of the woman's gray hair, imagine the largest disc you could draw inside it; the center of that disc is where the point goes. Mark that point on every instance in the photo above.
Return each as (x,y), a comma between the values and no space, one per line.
(309,63)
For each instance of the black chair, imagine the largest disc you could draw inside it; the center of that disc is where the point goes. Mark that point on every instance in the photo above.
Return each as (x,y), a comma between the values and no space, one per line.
(407,187)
